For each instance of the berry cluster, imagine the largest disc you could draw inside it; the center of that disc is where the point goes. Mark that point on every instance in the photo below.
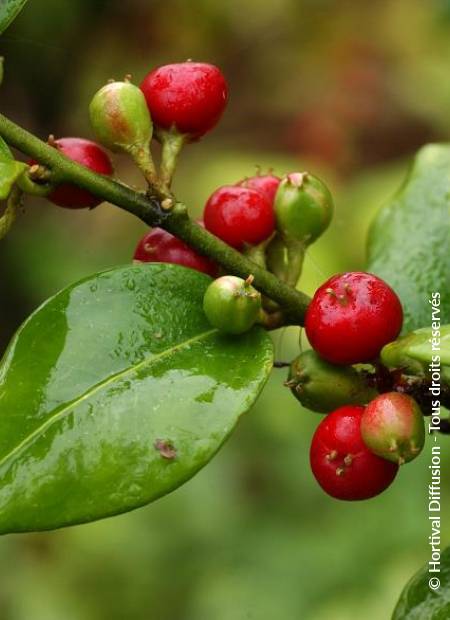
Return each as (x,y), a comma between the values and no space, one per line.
(357,449)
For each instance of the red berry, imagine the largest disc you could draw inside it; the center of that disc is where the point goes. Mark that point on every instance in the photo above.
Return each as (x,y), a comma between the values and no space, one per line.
(340,461)
(351,317)
(239,215)
(190,96)
(159,246)
(267,184)
(88,154)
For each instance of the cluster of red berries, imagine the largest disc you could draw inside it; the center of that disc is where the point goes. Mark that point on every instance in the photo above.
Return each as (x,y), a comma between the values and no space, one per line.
(358,447)
(241,215)
(356,451)
(189,97)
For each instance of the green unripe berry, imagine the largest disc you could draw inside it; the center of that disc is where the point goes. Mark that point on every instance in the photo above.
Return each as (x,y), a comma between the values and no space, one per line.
(303,207)
(120,117)
(231,304)
(324,387)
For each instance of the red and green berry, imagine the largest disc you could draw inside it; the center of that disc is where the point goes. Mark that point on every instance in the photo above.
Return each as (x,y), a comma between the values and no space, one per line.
(392,427)
(120,117)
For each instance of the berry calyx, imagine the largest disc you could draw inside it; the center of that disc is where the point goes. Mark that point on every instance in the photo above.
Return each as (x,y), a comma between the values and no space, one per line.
(231,304)
(351,317)
(239,215)
(120,117)
(392,427)
(323,387)
(413,353)
(88,154)
(159,246)
(341,462)
(267,184)
(303,207)
(188,96)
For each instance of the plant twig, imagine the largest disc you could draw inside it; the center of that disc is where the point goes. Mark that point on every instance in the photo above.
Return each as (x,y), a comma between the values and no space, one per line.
(172,144)
(148,208)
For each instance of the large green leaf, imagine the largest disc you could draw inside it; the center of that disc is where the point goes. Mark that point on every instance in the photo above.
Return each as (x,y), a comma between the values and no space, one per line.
(9,9)
(420,602)
(409,241)
(105,383)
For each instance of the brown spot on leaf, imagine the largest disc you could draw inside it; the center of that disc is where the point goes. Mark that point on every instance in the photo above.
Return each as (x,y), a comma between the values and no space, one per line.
(166,449)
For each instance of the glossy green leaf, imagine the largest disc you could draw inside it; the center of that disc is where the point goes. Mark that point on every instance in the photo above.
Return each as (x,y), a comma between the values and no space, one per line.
(9,9)
(414,350)
(420,602)
(409,240)
(115,392)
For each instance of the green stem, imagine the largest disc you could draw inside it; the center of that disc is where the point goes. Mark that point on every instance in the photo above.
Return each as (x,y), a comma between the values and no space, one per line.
(27,184)
(172,144)
(143,159)
(149,210)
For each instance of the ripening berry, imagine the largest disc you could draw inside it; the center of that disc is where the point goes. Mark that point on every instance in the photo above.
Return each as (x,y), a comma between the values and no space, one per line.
(159,246)
(340,461)
(239,215)
(187,96)
(392,427)
(231,304)
(120,117)
(88,154)
(351,317)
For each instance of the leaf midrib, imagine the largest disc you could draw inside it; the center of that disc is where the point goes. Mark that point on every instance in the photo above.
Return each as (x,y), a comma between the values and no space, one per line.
(97,388)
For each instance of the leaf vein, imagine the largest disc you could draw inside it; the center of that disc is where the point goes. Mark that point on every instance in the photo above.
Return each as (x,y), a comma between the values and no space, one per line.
(97,388)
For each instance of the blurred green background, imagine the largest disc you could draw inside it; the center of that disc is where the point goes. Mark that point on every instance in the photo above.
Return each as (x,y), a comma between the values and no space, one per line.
(348,89)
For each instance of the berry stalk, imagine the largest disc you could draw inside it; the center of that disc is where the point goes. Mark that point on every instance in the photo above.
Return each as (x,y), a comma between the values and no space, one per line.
(172,143)
(150,210)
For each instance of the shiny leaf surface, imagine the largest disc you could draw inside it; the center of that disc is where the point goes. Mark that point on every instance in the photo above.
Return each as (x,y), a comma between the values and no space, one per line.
(115,392)
(409,240)
(415,351)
